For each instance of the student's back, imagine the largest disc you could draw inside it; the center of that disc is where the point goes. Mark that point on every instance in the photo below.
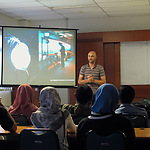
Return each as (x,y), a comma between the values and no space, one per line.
(50,115)
(110,123)
(23,101)
(82,109)
(103,118)
(126,95)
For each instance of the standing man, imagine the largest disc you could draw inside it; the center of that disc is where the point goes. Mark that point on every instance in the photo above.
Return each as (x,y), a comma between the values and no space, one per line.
(62,50)
(92,74)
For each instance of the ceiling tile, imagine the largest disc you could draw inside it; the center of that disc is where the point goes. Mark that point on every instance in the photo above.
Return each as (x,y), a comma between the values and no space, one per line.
(62,9)
(45,17)
(15,1)
(28,9)
(129,13)
(123,3)
(140,8)
(79,10)
(66,3)
(116,1)
(18,5)
(85,15)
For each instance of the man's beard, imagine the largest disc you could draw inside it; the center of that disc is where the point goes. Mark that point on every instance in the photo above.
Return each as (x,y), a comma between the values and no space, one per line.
(91,61)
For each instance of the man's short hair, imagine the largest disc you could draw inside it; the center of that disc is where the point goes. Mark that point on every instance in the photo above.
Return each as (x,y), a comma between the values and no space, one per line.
(84,94)
(126,94)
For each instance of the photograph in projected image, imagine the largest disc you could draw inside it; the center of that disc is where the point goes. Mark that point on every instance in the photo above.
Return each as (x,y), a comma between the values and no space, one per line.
(39,56)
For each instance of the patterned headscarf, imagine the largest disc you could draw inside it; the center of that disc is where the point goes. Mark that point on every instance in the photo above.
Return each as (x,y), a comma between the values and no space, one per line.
(23,101)
(49,114)
(50,100)
(106,99)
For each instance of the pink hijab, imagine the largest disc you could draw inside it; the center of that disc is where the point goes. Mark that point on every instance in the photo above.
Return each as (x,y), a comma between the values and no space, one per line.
(23,101)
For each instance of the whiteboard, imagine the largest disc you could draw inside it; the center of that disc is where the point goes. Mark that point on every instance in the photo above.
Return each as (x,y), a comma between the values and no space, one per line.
(135,63)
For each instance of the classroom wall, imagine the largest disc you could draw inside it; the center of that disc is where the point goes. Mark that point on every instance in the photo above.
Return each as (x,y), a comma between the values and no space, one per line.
(92,35)
(107,47)
(63,92)
(100,24)
(6,95)
(87,25)
(5,20)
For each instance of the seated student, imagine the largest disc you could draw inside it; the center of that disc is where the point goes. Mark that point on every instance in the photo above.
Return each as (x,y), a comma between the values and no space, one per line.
(6,120)
(82,109)
(103,118)
(23,101)
(50,115)
(126,95)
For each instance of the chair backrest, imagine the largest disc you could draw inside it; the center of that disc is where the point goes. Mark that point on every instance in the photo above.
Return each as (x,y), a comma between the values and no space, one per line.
(105,141)
(138,121)
(143,104)
(21,119)
(39,139)
(77,118)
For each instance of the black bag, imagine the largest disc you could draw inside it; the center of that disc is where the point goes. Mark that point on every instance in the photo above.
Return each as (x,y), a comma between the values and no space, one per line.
(143,104)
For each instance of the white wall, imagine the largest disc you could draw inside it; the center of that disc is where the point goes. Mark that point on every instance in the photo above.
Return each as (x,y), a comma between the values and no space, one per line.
(112,24)
(63,92)
(52,23)
(4,20)
(100,24)
(87,25)
(6,95)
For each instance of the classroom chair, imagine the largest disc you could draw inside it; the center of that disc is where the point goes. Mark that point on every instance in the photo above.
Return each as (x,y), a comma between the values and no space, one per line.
(39,139)
(21,119)
(138,121)
(77,118)
(105,140)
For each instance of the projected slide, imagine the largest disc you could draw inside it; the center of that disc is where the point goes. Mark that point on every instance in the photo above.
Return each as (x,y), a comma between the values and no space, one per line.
(39,56)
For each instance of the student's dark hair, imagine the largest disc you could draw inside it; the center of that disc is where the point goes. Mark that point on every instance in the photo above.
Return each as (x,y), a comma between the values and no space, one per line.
(126,94)
(84,94)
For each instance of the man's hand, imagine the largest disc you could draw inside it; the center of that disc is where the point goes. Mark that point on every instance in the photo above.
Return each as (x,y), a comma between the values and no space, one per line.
(90,78)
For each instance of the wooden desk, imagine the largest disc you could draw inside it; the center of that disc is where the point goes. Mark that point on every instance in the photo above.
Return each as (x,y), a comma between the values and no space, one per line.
(139,132)
(142,133)
(12,139)
(142,138)
(19,129)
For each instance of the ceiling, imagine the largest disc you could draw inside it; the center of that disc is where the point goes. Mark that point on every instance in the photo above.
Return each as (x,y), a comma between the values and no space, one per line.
(72,9)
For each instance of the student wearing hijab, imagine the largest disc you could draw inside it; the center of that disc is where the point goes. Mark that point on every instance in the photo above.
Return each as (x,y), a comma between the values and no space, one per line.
(50,115)
(103,118)
(23,101)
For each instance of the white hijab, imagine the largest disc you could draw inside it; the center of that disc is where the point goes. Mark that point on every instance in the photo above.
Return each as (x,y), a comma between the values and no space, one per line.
(49,114)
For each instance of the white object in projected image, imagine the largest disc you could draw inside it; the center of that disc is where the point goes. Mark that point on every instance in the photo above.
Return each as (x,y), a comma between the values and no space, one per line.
(135,63)
(20,56)
(39,56)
